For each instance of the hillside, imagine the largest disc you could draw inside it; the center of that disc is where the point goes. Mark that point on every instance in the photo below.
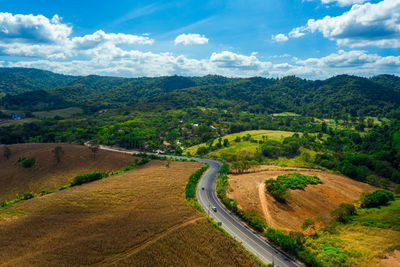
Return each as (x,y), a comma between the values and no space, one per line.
(47,174)
(15,81)
(338,96)
(136,218)
(314,202)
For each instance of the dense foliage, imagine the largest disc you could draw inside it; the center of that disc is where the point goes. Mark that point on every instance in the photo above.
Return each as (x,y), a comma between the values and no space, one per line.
(278,187)
(26,162)
(343,212)
(377,198)
(190,190)
(339,96)
(88,177)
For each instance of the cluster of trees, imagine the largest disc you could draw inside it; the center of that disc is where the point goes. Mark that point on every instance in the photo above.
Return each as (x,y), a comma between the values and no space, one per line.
(278,187)
(377,198)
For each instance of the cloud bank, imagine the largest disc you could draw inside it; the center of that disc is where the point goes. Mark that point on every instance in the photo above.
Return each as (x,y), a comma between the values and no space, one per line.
(39,42)
(363,25)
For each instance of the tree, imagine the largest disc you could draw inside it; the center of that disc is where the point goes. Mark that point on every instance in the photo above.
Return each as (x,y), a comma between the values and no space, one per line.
(344,211)
(7,152)
(58,153)
(94,147)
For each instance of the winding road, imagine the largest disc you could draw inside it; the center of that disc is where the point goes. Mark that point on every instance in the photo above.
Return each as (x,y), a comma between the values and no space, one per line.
(208,199)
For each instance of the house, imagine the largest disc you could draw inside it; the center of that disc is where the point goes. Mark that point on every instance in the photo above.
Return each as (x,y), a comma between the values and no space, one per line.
(18,116)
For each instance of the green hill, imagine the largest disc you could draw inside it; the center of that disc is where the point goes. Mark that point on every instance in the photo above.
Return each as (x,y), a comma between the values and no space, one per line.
(339,96)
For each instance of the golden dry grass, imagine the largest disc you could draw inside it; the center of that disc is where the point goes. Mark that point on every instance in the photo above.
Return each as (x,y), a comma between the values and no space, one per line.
(137,218)
(47,175)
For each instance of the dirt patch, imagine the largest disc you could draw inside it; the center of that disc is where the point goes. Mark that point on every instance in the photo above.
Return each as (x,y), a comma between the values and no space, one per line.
(392,260)
(47,174)
(136,218)
(315,202)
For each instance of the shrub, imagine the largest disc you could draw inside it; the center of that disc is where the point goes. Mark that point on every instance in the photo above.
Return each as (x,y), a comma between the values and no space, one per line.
(343,213)
(307,223)
(26,163)
(88,177)
(202,151)
(27,195)
(190,190)
(377,198)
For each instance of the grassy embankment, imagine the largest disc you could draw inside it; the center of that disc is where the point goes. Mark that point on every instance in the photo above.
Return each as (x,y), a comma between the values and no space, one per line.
(364,241)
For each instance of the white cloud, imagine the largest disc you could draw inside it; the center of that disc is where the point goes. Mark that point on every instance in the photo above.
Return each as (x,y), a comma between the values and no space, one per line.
(191,38)
(92,40)
(32,29)
(343,2)
(363,25)
(297,32)
(280,37)
(37,36)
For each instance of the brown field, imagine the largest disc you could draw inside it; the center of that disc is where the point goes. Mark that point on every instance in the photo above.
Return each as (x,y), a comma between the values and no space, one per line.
(47,175)
(138,218)
(315,202)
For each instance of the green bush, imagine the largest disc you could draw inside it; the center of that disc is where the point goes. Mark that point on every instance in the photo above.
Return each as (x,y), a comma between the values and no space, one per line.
(292,246)
(88,177)
(343,213)
(190,190)
(307,223)
(26,163)
(27,195)
(377,198)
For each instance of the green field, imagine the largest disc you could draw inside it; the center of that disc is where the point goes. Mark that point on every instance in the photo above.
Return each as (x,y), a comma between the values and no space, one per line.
(65,113)
(243,145)
(286,114)
(17,122)
(363,241)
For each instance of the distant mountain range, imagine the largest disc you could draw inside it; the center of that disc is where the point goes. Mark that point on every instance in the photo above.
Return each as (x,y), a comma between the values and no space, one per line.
(343,95)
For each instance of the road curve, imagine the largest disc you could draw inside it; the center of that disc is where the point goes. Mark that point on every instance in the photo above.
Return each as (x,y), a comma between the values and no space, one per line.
(208,199)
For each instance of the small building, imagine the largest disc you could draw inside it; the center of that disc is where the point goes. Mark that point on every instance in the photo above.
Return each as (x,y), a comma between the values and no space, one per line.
(18,116)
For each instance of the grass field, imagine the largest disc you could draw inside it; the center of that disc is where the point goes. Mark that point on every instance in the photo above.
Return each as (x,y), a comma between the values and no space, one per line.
(138,218)
(65,113)
(46,174)
(18,122)
(368,240)
(244,145)
(286,114)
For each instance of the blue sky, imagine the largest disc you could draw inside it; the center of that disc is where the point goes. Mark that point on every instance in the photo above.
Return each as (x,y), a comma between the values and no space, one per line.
(312,39)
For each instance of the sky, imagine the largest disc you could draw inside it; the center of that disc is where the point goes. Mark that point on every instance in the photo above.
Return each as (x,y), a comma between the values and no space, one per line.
(312,39)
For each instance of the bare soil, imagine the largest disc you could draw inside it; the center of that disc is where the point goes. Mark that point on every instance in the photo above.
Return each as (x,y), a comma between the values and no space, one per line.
(314,202)
(138,218)
(47,174)
(392,260)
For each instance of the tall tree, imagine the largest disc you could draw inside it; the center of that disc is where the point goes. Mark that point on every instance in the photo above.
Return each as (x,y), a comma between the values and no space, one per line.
(58,153)
(7,152)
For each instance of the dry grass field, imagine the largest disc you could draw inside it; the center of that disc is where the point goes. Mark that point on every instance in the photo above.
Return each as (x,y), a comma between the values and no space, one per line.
(47,175)
(315,202)
(138,218)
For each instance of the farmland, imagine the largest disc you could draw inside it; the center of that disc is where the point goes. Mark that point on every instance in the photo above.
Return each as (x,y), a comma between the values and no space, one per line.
(47,174)
(139,217)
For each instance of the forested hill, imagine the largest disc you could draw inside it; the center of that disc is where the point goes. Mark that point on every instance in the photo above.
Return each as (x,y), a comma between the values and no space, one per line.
(15,81)
(338,96)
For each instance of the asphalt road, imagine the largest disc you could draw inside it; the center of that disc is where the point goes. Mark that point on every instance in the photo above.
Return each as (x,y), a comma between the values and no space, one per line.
(208,199)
